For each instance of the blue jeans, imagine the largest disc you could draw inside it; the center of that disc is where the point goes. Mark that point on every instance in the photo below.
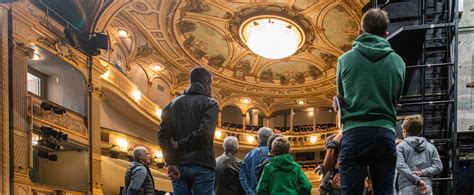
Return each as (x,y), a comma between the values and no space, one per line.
(194,180)
(367,151)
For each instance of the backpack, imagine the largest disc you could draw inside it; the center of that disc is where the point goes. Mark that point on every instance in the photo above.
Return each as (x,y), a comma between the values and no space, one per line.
(264,161)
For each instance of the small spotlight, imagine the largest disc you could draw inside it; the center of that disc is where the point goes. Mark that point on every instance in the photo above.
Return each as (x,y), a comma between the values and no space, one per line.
(57,110)
(122,33)
(46,106)
(301,102)
(311,113)
(114,154)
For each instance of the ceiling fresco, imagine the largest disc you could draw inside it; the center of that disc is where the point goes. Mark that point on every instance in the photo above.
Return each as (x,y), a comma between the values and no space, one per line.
(189,33)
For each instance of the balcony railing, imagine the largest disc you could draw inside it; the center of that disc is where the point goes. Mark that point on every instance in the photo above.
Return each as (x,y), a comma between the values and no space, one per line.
(121,82)
(68,121)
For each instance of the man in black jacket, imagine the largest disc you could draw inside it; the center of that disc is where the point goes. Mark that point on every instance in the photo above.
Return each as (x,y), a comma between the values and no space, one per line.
(138,178)
(186,136)
(228,169)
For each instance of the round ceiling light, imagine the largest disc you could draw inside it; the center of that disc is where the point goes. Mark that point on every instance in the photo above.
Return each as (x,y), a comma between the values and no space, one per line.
(123,33)
(272,36)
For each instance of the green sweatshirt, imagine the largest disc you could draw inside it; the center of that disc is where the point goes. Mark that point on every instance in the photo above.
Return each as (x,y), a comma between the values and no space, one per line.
(283,176)
(370,79)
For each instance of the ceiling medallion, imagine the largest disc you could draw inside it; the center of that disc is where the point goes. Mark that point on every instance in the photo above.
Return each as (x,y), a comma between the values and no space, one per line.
(272,36)
(272,32)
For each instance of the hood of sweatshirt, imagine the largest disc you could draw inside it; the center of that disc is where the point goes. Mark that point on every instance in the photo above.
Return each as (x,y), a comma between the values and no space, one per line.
(372,47)
(283,162)
(417,143)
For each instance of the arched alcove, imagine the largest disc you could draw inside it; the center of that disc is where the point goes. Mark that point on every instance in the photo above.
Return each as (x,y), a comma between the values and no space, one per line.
(139,77)
(231,117)
(254,119)
(280,120)
(160,92)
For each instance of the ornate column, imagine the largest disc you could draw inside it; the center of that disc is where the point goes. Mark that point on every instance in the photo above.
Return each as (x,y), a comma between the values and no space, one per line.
(266,121)
(243,121)
(291,119)
(4,139)
(21,121)
(219,118)
(95,128)
(314,118)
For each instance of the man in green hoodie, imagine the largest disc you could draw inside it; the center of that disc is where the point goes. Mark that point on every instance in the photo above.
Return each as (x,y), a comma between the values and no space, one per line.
(369,83)
(283,176)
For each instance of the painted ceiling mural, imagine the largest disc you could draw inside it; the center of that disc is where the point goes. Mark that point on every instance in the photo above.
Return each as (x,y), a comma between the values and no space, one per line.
(190,33)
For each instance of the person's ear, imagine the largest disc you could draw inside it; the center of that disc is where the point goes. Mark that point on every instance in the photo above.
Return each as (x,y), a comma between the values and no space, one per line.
(385,35)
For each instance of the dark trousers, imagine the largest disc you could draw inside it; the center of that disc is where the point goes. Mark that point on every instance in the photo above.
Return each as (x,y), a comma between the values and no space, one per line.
(367,151)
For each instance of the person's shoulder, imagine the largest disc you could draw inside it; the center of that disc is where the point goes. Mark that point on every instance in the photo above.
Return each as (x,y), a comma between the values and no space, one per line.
(397,58)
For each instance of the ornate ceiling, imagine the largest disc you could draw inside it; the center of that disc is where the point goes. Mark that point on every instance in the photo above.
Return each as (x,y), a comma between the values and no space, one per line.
(181,35)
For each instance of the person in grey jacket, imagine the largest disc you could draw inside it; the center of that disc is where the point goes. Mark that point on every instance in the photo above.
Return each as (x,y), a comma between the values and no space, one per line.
(417,160)
(138,178)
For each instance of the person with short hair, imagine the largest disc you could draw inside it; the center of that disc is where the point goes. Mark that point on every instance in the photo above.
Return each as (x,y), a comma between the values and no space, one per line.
(369,80)
(138,178)
(283,175)
(248,175)
(186,136)
(266,160)
(418,160)
(228,168)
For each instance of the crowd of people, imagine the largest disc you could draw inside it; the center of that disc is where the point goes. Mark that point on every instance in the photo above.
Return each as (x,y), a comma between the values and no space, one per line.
(363,158)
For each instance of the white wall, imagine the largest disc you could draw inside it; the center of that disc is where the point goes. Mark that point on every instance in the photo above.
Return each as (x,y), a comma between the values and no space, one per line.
(67,88)
(70,171)
(112,119)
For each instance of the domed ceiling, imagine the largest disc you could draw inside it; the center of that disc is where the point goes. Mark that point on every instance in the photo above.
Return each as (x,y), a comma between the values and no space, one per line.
(185,34)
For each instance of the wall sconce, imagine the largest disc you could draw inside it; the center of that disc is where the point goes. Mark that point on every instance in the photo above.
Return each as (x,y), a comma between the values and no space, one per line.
(250,139)
(122,143)
(313,139)
(105,75)
(218,134)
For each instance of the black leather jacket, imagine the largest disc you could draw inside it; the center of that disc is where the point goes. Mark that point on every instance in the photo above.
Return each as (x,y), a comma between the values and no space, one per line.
(190,120)
(227,176)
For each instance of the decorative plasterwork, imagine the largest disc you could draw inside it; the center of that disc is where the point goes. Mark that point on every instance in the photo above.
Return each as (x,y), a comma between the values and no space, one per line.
(188,33)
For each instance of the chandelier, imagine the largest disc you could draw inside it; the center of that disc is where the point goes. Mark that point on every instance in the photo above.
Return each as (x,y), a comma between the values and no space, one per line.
(272,37)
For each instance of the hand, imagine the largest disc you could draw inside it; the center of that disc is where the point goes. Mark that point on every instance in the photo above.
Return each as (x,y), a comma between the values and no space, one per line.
(334,102)
(174,144)
(417,173)
(317,169)
(174,173)
(422,187)
(397,141)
